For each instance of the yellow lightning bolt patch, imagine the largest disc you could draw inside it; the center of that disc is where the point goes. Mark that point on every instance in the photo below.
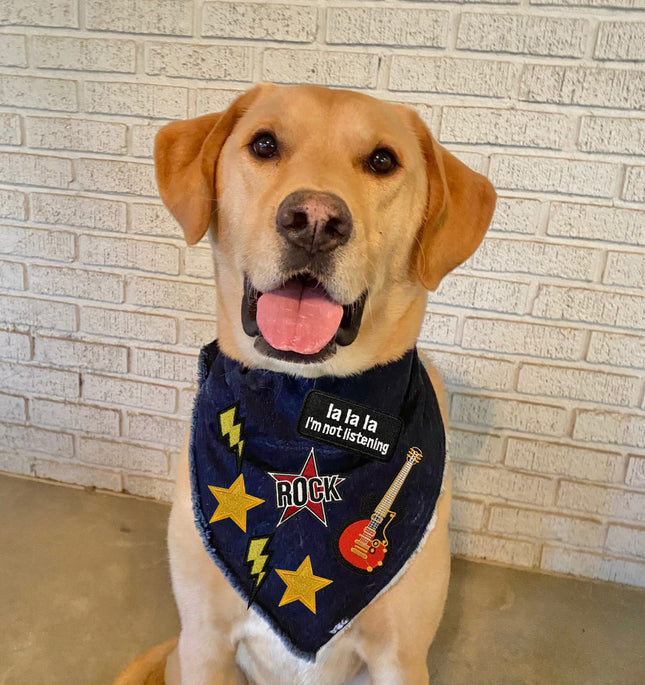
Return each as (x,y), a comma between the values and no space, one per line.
(231,427)
(257,561)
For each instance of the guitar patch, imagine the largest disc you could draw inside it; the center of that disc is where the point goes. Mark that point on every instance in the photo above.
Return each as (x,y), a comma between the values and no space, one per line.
(308,530)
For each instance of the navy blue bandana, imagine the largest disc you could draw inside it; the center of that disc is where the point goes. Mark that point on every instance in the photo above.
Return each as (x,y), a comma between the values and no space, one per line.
(310,526)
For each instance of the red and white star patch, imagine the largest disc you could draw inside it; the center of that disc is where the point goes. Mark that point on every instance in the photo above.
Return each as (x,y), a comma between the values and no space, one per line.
(305,490)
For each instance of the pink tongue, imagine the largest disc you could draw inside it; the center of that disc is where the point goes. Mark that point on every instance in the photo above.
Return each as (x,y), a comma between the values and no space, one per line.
(298,317)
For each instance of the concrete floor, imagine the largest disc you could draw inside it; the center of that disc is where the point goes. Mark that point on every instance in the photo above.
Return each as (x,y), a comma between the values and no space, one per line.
(84,587)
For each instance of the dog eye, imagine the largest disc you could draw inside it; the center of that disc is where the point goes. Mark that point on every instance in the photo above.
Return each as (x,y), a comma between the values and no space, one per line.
(264,146)
(382,161)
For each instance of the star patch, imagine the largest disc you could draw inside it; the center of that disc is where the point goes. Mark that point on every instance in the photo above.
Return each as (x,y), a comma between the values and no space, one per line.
(233,503)
(302,585)
(305,490)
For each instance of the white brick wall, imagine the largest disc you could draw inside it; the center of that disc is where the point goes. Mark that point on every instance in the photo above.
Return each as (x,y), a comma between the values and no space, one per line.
(539,336)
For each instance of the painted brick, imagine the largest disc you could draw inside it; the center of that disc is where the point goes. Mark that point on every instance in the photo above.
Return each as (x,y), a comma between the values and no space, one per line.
(593,386)
(634,188)
(198,262)
(325,68)
(83,54)
(9,129)
(40,313)
(15,463)
(39,170)
(122,455)
(190,297)
(80,417)
(511,552)
(198,61)
(130,254)
(473,372)
(160,430)
(186,402)
(544,259)
(626,541)
(468,446)
(12,205)
(612,134)
(75,134)
(593,306)
(12,276)
(136,99)
(78,474)
(510,414)
(503,127)
(387,26)
(15,346)
(211,100)
(13,50)
(474,160)
(83,212)
(465,514)
(539,524)
(12,408)
(438,328)
(538,456)
(79,354)
(612,502)
(520,33)
(610,427)
(38,380)
(153,220)
(168,365)
(153,488)
(125,324)
(550,175)
(616,349)
(625,268)
(597,223)
(198,332)
(497,482)
(35,13)
(15,438)
(40,93)
(290,23)
(90,285)
(636,472)
(450,75)
(621,40)
(482,293)
(34,242)
(112,176)
(582,86)
(129,393)
(171,17)
(625,4)
(143,139)
(577,563)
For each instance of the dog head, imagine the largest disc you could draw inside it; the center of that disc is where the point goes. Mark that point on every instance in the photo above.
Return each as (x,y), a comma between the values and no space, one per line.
(330,213)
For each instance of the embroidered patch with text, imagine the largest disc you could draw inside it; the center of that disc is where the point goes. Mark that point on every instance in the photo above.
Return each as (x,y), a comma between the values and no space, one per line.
(335,421)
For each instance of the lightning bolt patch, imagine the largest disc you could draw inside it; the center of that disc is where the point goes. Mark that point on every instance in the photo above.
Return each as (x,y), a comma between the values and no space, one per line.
(257,561)
(231,427)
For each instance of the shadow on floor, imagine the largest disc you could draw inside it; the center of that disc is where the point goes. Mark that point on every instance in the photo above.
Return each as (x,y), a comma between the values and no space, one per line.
(84,587)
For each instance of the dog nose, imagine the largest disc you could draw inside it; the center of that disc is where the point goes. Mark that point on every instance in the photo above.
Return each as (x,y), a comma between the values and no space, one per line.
(314,221)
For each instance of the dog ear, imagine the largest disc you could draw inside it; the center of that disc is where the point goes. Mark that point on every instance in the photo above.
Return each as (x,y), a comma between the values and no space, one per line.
(459,210)
(186,154)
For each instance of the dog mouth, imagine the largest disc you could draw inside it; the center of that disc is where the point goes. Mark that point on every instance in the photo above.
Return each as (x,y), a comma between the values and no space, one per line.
(299,321)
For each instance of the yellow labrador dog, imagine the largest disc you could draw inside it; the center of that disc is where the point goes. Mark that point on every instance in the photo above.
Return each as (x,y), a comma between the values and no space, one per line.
(296,185)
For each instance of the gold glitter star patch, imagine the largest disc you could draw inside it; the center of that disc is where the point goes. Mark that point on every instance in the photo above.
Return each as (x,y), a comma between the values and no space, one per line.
(302,585)
(233,503)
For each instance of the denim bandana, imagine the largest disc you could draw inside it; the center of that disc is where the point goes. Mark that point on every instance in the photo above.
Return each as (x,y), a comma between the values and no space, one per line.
(313,494)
